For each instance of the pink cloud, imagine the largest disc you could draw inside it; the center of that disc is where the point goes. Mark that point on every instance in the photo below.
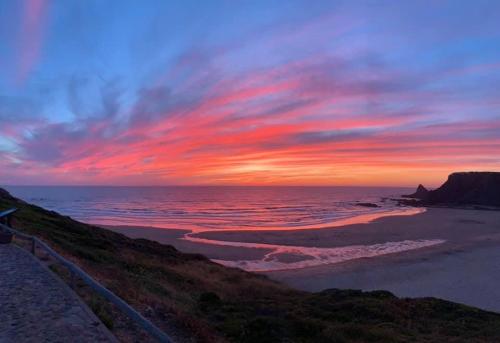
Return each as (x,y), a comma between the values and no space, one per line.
(301,123)
(30,38)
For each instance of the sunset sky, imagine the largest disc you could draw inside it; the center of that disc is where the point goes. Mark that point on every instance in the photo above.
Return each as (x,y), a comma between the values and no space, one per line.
(248,92)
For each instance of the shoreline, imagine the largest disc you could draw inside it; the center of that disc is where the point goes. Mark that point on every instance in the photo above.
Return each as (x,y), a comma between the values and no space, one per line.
(265,257)
(343,221)
(463,268)
(251,245)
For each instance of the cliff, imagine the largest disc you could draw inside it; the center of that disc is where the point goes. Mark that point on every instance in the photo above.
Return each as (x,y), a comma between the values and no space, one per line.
(467,188)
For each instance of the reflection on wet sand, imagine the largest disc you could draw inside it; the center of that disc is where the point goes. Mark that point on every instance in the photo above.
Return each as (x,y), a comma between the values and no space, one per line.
(283,257)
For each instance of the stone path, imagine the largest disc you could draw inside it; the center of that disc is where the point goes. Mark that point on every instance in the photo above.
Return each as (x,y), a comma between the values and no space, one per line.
(37,306)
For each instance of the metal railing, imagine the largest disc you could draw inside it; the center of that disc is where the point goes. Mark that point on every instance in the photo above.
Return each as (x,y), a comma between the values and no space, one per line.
(6,216)
(150,328)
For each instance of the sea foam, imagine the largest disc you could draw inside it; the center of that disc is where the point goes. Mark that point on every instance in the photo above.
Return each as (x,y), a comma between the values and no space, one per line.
(313,257)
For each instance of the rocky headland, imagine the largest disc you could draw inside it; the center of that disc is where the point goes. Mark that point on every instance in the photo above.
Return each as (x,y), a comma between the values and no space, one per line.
(461,189)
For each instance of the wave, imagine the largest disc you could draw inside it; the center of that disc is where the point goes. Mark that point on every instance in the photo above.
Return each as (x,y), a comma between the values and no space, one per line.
(217,208)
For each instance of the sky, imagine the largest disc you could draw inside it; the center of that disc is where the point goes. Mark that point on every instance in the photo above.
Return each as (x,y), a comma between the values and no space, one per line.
(389,93)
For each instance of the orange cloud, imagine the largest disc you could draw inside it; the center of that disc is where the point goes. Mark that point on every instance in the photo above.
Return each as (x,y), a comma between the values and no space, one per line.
(282,126)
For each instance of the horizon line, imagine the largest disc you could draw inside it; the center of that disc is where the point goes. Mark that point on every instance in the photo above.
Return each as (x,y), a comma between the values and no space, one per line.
(200,185)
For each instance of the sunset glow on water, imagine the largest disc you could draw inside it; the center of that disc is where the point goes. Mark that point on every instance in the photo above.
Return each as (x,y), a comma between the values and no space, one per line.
(216,208)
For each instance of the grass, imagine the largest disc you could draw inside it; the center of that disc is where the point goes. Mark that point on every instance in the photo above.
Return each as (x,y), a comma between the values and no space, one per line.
(102,309)
(197,300)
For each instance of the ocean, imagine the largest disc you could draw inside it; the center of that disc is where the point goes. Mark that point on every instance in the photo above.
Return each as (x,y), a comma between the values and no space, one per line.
(200,208)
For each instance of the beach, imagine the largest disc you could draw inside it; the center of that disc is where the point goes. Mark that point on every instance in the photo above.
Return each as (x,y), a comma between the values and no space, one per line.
(459,263)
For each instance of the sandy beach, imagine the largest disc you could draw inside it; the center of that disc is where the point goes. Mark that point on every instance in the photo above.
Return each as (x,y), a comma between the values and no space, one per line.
(460,265)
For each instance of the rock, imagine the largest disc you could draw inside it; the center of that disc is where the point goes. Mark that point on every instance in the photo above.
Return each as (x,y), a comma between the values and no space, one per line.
(421,193)
(467,188)
(410,202)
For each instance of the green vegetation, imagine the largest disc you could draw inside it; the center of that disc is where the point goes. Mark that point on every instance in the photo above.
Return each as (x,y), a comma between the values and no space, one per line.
(188,293)
(102,310)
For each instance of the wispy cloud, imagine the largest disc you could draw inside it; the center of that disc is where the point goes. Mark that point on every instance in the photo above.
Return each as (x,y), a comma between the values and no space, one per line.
(325,108)
(31,33)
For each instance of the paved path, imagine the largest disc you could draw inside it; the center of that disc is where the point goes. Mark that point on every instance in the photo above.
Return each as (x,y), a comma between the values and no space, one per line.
(36,306)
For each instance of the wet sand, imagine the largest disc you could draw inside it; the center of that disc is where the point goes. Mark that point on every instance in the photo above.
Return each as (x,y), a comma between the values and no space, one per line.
(174,237)
(455,226)
(464,268)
